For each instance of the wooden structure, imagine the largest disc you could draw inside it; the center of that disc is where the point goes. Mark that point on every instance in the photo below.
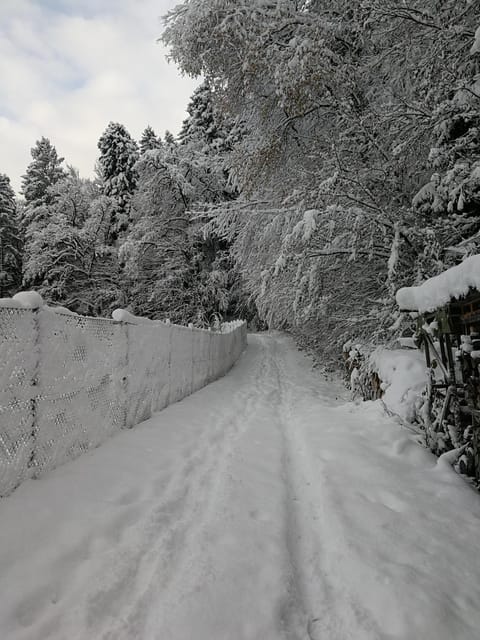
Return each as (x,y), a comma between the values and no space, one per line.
(450,339)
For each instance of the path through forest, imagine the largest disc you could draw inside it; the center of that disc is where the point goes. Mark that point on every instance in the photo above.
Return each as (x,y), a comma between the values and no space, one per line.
(263,507)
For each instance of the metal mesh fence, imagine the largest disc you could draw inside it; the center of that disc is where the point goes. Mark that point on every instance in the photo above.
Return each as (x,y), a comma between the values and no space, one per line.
(67,382)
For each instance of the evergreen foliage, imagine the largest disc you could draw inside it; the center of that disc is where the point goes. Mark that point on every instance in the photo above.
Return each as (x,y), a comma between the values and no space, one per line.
(10,243)
(169,139)
(174,271)
(43,172)
(118,155)
(149,140)
(41,175)
(203,122)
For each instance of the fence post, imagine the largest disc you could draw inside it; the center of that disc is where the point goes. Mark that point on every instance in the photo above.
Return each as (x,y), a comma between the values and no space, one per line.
(209,357)
(170,332)
(192,383)
(126,375)
(33,461)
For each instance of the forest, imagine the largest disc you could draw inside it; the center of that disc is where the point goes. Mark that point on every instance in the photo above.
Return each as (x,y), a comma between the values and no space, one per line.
(330,156)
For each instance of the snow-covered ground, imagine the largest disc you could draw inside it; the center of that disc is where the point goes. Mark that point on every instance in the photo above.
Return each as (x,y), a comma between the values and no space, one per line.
(261,507)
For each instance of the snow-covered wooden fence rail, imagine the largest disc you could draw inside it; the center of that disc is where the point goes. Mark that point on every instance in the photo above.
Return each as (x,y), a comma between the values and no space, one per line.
(68,382)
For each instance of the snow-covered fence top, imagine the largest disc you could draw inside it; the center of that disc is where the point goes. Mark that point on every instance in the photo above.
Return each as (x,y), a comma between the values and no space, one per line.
(439,290)
(68,382)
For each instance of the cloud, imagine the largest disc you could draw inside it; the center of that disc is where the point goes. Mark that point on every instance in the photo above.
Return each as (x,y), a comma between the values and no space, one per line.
(69,67)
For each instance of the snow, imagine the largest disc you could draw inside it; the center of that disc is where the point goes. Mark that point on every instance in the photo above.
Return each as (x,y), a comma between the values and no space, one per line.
(32,300)
(394,253)
(29,299)
(406,342)
(306,226)
(122,315)
(476,45)
(10,303)
(404,375)
(60,309)
(261,507)
(439,290)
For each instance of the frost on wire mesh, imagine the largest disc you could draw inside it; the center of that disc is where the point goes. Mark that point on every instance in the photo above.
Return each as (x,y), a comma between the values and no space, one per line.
(81,382)
(18,367)
(148,379)
(68,382)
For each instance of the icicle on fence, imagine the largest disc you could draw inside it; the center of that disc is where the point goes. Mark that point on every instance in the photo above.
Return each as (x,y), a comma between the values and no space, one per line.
(68,382)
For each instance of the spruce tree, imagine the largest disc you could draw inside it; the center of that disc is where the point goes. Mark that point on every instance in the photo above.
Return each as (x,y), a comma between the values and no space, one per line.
(149,140)
(43,172)
(203,123)
(118,156)
(10,258)
(170,139)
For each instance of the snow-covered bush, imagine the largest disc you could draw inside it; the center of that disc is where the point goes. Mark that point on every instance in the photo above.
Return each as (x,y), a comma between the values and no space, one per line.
(396,375)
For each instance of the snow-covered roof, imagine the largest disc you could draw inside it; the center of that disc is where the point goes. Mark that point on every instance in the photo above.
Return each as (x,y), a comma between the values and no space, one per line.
(439,290)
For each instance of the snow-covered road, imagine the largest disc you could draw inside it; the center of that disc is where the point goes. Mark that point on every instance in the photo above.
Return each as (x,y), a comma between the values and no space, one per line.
(261,508)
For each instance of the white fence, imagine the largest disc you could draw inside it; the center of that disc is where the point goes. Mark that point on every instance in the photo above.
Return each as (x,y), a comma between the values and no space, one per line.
(67,382)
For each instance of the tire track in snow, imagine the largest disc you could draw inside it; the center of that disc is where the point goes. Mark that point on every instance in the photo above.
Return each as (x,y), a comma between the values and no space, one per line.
(307,540)
(293,614)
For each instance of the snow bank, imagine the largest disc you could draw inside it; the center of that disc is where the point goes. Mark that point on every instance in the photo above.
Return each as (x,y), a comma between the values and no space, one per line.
(29,299)
(32,300)
(9,303)
(404,375)
(60,309)
(68,382)
(122,315)
(227,327)
(438,291)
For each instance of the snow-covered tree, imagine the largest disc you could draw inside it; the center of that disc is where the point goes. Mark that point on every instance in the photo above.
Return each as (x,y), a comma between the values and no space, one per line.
(204,122)
(10,243)
(149,140)
(41,175)
(173,270)
(43,172)
(71,197)
(337,104)
(67,256)
(118,155)
(72,264)
(169,139)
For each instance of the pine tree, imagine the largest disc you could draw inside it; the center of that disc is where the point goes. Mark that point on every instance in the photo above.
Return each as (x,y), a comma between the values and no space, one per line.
(149,140)
(203,122)
(118,155)
(173,270)
(10,257)
(43,172)
(170,139)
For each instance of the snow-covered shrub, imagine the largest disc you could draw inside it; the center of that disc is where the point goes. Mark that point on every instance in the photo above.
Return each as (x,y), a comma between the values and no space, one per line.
(361,378)
(396,375)
(403,378)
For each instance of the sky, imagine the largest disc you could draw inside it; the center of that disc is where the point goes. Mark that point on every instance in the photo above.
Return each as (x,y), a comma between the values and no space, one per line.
(69,67)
